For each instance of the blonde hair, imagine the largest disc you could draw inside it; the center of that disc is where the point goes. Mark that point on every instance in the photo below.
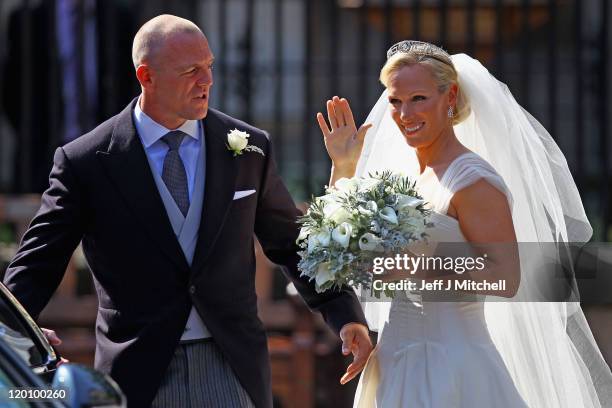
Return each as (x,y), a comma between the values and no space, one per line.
(444,74)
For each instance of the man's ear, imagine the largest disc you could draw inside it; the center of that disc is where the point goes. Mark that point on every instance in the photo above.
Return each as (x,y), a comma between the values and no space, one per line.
(143,73)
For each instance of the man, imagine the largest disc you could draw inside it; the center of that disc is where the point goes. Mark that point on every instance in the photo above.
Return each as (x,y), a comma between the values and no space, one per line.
(166,215)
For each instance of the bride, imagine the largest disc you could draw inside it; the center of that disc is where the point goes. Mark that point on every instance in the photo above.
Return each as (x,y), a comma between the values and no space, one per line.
(492,177)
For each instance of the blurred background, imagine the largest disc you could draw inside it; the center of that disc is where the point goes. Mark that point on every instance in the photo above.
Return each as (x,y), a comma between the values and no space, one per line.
(65,65)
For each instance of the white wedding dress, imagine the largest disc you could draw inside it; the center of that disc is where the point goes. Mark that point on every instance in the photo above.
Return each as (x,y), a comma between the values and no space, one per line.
(433,354)
(470,354)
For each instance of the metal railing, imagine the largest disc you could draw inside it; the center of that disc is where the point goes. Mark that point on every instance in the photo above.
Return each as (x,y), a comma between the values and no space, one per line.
(279,60)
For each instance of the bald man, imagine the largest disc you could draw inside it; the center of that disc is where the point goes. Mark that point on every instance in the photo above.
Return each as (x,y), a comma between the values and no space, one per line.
(166,215)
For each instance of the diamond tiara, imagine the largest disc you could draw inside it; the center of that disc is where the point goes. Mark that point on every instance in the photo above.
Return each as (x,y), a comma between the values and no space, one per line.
(420,48)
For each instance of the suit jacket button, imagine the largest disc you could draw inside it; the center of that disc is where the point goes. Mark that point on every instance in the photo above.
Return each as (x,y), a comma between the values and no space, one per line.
(192,289)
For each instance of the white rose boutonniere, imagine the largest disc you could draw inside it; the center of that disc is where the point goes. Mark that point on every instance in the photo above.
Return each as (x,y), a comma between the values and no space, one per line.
(238,142)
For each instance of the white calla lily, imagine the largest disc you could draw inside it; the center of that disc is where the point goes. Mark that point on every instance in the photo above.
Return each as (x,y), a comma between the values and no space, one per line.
(389,215)
(323,274)
(370,208)
(406,201)
(375,226)
(342,234)
(370,242)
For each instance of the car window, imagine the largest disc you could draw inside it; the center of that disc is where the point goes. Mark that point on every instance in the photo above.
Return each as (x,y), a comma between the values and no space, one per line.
(6,384)
(16,336)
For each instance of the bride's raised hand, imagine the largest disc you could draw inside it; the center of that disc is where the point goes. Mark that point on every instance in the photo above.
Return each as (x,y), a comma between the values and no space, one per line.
(343,140)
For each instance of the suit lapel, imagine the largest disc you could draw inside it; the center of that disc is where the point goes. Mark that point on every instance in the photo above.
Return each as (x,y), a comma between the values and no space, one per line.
(221,172)
(127,166)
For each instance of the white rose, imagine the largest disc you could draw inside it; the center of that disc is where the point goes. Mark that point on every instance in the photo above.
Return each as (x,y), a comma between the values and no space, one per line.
(334,211)
(414,225)
(304,231)
(331,206)
(410,212)
(369,184)
(327,198)
(346,185)
(389,215)
(320,239)
(342,234)
(237,140)
(370,242)
(340,216)
(323,274)
(420,226)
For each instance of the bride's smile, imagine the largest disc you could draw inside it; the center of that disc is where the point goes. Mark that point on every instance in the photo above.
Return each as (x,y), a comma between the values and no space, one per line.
(410,130)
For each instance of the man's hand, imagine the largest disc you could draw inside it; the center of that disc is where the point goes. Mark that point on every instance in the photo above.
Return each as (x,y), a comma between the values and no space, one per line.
(356,340)
(54,340)
(51,336)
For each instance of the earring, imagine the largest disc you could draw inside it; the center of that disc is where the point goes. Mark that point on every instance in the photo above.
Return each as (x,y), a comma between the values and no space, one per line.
(451,113)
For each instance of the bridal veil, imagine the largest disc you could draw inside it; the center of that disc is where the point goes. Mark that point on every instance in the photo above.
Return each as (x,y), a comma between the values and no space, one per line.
(547,346)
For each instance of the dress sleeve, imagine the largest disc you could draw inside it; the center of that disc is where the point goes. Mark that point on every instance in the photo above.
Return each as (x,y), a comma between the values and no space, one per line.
(466,171)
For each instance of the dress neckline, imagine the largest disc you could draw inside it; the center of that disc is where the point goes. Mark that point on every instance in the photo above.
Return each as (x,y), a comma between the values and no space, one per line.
(452,163)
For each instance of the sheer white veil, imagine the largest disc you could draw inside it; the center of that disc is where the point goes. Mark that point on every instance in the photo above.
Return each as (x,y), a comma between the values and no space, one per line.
(548,347)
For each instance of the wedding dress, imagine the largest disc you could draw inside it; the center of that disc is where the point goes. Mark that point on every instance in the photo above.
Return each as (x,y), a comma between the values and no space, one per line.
(470,353)
(434,354)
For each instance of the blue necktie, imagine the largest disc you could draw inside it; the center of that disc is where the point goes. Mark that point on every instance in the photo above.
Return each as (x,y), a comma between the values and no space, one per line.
(174,174)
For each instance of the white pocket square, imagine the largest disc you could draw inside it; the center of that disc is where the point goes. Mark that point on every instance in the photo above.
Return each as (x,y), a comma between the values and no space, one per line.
(242,194)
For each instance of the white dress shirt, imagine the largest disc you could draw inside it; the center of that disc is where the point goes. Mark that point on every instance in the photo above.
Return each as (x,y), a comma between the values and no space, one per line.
(151,132)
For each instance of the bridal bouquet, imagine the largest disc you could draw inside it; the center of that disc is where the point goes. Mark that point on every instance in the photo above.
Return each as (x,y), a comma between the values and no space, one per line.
(357,220)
